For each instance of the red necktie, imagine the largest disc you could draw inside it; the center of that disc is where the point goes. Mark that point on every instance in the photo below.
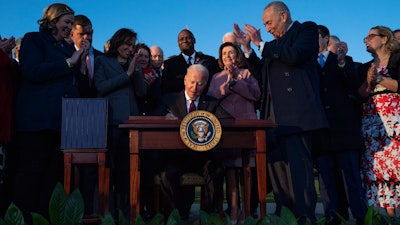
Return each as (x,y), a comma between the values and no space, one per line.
(192,107)
(90,71)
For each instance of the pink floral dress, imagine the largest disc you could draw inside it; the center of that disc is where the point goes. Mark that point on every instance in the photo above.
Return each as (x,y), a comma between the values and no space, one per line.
(381,160)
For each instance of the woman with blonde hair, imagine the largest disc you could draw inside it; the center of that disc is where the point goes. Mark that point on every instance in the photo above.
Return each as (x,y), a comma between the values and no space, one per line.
(49,66)
(381,120)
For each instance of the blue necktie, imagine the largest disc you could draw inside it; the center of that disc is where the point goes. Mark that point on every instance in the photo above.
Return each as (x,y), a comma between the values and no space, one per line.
(321,60)
(189,60)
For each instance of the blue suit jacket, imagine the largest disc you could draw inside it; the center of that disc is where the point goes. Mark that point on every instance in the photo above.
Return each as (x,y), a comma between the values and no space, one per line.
(289,80)
(46,78)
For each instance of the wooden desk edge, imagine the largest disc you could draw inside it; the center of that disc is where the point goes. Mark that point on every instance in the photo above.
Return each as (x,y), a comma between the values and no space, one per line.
(150,121)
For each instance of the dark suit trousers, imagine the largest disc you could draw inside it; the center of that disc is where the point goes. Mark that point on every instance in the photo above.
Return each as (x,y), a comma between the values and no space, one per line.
(39,167)
(291,170)
(182,197)
(118,150)
(346,165)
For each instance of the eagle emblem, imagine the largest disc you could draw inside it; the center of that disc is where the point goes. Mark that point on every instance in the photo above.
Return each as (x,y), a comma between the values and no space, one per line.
(200,129)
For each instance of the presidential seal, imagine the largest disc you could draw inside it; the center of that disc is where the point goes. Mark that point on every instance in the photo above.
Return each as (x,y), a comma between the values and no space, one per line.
(200,130)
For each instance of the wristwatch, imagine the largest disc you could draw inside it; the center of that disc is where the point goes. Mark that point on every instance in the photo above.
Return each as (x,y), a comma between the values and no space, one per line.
(378,78)
(69,62)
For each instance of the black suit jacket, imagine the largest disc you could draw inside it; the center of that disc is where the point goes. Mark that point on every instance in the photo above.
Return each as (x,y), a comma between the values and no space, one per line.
(338,89)
(175,70)
(85,90)
(175,103)
(289,79)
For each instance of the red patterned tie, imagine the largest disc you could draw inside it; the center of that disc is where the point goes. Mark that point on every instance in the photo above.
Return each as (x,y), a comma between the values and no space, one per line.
(192,107)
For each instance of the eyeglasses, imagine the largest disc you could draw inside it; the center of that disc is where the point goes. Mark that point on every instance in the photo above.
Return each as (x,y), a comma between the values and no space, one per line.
(370,36)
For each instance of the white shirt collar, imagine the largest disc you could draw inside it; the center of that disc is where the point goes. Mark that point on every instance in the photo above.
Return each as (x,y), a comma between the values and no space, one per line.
(196,101)
(325,54)
(187,57)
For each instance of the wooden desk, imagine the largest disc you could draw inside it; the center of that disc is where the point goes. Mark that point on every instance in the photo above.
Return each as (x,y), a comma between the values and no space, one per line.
(158,133)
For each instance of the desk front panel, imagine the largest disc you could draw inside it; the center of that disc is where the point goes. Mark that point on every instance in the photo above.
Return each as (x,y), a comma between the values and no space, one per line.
(170,139)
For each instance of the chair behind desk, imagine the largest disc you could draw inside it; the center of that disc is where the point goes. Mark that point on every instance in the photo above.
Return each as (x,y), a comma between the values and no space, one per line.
(84,141)
(84,123)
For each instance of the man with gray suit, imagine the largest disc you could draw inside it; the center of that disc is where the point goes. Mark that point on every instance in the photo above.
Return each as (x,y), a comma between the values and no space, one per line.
(288,76)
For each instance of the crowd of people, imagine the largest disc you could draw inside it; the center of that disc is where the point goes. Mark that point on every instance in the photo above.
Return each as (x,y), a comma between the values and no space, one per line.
(335,117)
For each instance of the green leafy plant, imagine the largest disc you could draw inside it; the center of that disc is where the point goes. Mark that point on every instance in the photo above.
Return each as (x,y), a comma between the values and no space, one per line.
(68,210)
(373,217)
(212,219)
(63,210)
(109,220)
(13,216)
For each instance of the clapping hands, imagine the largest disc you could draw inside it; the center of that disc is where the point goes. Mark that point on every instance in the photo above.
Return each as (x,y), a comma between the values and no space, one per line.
(7,44)
(240,35)
(342,51)
(250,33)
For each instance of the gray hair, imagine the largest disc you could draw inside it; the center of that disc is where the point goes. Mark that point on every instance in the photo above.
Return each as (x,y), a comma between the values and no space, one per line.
(230,34)
(200,68)
(279,7)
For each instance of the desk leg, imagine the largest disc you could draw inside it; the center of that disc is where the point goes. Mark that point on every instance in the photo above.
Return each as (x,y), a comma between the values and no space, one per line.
(261,162)
(101,159)
(134,174)
(67,172)
(246,182)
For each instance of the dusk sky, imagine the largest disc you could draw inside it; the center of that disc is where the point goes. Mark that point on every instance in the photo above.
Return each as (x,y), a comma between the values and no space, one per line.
(158,22)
